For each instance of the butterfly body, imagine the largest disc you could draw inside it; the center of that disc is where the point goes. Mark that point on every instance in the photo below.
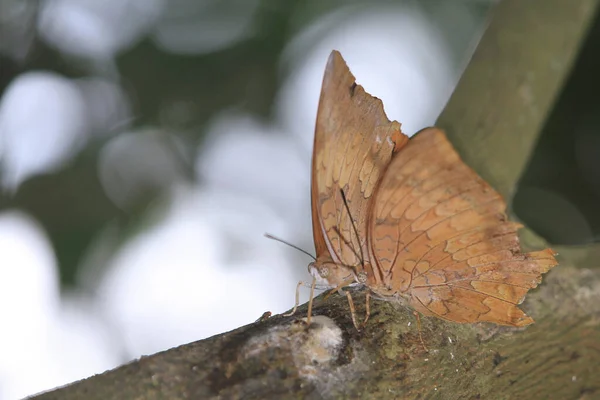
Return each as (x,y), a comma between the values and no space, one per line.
(407,218)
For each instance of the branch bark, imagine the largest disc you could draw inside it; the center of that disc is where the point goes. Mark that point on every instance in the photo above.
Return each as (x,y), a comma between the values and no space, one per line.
(493,119)
(557,357)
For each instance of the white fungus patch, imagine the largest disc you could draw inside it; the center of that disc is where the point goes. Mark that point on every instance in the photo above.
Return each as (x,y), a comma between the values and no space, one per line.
(312,348)
(324,341)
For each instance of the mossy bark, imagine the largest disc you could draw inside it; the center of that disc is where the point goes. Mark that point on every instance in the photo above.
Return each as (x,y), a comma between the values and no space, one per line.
(556,358)
(493,118)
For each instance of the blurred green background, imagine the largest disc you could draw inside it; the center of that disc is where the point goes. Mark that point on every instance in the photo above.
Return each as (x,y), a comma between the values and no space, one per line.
(119,117)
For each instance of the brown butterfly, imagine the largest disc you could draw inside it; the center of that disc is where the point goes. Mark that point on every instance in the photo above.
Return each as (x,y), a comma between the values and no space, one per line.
(408,218)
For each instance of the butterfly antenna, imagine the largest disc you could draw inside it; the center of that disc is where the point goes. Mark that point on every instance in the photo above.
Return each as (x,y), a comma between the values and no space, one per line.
(269,236)
(362,256)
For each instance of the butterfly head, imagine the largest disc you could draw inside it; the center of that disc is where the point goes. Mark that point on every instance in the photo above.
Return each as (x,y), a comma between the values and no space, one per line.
(330,274)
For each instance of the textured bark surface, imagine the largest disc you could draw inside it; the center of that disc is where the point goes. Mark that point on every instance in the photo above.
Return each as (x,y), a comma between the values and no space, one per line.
(493,119)
(556,358)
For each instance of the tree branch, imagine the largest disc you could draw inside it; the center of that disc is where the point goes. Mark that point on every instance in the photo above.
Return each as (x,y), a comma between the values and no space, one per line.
(493,118)
(283,358)
(500,105)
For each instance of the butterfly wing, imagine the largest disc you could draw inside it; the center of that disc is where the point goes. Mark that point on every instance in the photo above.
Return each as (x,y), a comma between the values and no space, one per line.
(440,236)
(354,142)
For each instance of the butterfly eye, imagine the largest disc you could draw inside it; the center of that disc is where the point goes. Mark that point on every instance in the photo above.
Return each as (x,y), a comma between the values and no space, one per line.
(362,277)
(324,272)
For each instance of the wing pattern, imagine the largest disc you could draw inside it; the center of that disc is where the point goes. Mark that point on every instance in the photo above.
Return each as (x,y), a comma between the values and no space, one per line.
(354,142)
(441,240)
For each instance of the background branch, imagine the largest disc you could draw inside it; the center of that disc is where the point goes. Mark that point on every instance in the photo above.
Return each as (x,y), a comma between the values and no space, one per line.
(493,118)
(500,106)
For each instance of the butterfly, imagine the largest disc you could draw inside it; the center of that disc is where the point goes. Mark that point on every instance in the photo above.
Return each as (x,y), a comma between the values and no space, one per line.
(407,218)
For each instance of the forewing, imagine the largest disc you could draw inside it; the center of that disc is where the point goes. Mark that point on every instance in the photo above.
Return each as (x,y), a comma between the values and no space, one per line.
(440,234)
(354,142)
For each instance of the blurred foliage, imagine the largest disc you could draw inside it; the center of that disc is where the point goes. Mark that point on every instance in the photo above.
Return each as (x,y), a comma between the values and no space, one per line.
(559,193)
(71,204)
(181,94)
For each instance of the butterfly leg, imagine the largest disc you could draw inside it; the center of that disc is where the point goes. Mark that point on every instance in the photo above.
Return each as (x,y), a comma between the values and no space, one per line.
(338,288)
(297,301)
(367,309)
(310,302)
(352,309)
(416,314)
